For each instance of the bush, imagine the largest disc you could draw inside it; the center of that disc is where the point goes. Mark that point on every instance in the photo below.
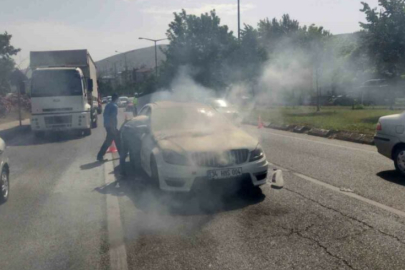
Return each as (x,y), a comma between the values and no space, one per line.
(358,107)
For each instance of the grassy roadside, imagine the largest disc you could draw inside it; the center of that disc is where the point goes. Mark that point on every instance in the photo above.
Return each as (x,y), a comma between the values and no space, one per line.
(336,118)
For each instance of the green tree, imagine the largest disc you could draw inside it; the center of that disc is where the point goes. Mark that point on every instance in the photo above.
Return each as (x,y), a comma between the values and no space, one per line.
(6,62)
(202,44)
(246,62)
(280,35)
(319,53)
(383,36)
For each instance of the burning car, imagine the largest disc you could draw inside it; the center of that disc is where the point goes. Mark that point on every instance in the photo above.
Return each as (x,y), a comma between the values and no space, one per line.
(188,146)
(223,106)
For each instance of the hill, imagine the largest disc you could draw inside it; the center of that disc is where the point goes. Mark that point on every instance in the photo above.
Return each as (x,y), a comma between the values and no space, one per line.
(139,58)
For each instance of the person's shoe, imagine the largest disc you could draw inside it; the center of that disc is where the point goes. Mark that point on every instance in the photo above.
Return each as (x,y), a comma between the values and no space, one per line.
(100,158)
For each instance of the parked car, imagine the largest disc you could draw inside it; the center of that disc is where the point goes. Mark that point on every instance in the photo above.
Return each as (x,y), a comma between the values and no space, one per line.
(390,139)
(189,146)
(122,102)
(104,100)
(5,173)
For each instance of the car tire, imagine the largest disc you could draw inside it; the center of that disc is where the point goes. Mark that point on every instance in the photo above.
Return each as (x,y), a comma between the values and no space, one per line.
(154,173)
(399,160)
(87,132)
(4,186)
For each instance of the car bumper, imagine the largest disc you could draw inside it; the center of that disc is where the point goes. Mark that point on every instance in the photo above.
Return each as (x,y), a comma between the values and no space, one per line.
(385,144)
(186,178)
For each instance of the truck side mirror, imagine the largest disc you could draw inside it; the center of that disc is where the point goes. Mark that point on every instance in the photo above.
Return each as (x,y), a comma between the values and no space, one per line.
(90,85)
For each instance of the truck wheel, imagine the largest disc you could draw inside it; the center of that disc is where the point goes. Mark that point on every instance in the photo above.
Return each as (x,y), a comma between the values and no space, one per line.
(399,160)
(4,186)
(87,132)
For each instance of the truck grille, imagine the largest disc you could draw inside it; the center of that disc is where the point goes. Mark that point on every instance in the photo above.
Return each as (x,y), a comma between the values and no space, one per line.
(224,159)
(57,110)
(58,120)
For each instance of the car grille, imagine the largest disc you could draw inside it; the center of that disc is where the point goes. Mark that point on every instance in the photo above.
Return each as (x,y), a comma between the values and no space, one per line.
(224,159)
(58,120)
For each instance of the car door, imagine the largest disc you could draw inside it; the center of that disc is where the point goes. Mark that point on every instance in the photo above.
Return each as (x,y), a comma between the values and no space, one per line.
(148,143)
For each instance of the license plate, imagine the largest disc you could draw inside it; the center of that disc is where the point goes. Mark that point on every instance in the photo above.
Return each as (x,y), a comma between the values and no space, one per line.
(224,173)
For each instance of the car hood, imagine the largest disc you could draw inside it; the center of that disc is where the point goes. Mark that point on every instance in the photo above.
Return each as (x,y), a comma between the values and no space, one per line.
(207,142)
(227,110)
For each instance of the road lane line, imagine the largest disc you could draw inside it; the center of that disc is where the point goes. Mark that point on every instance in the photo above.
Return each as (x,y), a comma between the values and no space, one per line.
(353,195)
(349,194)
(324,143)
(118,252)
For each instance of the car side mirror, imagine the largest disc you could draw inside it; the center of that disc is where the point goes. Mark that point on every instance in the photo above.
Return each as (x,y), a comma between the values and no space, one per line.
(90,85)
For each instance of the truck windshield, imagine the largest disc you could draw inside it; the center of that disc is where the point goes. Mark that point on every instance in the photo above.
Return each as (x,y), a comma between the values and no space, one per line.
(50,83)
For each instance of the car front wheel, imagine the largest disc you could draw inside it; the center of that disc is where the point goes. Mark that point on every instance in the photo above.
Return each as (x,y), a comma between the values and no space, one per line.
(4,186)
(399,160)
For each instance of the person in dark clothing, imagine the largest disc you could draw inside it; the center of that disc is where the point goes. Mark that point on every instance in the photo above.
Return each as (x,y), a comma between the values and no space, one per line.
(131,134)
(110,124)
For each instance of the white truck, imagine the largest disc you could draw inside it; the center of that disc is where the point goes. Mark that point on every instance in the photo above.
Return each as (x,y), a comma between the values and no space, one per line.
(64,92)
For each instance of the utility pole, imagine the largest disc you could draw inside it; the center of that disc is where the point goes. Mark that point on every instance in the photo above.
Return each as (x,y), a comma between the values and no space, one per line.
(156,60)
(239,20)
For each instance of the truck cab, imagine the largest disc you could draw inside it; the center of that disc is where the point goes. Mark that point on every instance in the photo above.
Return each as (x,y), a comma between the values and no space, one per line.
(64,94)
(59,98)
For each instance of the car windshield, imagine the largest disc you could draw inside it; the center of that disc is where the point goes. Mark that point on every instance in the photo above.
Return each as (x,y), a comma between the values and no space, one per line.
(51,83)
(183,120)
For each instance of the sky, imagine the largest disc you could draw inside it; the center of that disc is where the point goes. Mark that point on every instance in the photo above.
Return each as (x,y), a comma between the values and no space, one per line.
(106,26)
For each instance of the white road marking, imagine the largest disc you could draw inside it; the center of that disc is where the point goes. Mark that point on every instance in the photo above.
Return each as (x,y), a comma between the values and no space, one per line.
(324,143)
(349,194)
(118,252)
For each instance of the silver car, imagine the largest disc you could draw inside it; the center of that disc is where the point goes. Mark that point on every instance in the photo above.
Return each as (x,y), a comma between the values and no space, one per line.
(5,172)
(390,139)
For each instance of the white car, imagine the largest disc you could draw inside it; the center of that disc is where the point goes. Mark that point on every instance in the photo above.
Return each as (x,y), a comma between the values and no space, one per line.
(4,173)
(187,146)
(122,102)
(226,109)
(390,139)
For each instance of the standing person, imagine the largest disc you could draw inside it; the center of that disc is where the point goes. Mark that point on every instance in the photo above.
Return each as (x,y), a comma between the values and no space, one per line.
(131,134)
(135,102)
(110,124)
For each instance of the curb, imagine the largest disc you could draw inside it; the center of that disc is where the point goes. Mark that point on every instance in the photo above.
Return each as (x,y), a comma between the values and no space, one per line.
(8,134)
(325,133)
(354,137)
(300,129)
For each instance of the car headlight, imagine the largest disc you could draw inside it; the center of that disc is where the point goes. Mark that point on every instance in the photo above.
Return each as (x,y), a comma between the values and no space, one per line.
(175,158)
(256,154)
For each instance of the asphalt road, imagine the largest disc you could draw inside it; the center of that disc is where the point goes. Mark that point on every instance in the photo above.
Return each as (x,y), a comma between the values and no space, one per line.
(67,212)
